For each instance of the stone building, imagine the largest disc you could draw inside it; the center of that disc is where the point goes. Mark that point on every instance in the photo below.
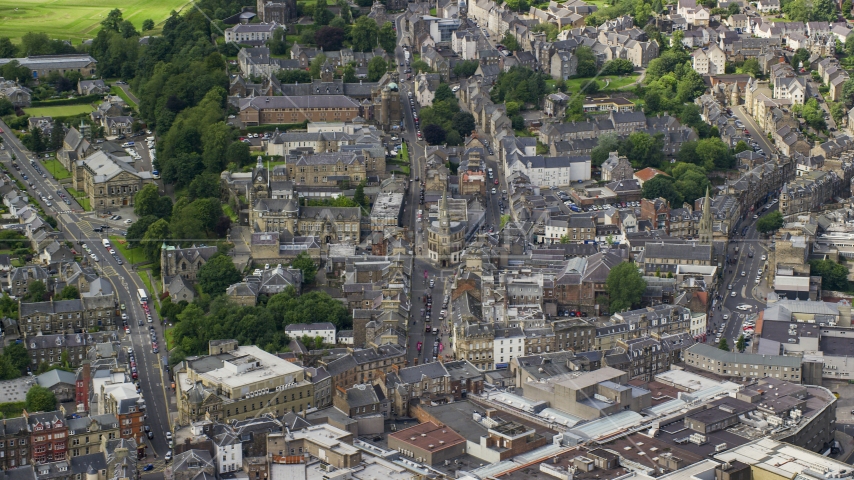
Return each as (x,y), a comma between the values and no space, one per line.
(107,181)
(67,316)
(280,11)
(445,239)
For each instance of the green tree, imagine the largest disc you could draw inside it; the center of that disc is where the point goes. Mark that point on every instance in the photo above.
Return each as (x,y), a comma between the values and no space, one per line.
(443,93)
(7,48)
(586,62)
(823,11)
(625,286)
(751,67)
(770,222)
(217,275)
(564,239)
(306,265)
(801,55)
(238,152)
(608,143)
(662,186)
(741,146)
(466,68)
(722,345)
(137,230)
(215,141)
(322,15)
(740,343)
(434,134)
(833,275)
(155,235)
(676,40)
(387,38)
(17,355)
(463,123)
(147,24)
(40,399)
(69,292)
(57,135)
(277,42)
(359,195)
(316,64)
(36,292)
(510,42)
(350,74)
(377,67)
(148,201)
(363,34)
(6,107)
(206,185)
(420,66)
(113,21)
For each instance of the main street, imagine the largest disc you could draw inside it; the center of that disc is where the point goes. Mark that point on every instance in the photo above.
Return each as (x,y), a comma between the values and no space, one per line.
(77,227)
(746,287)
(421,264)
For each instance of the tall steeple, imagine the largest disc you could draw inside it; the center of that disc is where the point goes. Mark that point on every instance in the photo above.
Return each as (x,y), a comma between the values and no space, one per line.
(706,220)
(444,217)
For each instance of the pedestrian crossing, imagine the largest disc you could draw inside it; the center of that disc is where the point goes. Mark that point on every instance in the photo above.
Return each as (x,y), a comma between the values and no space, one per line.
(66,211)
(109,271)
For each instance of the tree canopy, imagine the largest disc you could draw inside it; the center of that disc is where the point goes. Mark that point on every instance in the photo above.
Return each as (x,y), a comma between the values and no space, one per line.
(770,222)
(217,275)
(833,275)
(625,286)
(40,399)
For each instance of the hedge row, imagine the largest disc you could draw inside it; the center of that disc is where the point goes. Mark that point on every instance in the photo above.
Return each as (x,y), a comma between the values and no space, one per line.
(86,99)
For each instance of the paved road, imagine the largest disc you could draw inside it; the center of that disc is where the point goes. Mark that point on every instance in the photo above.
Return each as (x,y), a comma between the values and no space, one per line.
(757,133)
(77,226)
(130,95)
(744,286)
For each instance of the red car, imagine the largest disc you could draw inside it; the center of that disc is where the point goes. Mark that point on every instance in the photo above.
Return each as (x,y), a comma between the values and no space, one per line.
(496,181)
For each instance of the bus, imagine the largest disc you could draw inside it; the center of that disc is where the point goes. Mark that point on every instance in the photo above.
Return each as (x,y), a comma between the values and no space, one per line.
(143,298)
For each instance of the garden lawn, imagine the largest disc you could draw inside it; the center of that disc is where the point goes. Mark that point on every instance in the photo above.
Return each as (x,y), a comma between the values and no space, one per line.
(77,20)
(58,111)
(131,255)
(56,169)
(124,96)
(81,198)
(616,82)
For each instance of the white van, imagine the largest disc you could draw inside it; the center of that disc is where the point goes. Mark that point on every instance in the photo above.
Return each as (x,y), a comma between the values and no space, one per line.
(106,243)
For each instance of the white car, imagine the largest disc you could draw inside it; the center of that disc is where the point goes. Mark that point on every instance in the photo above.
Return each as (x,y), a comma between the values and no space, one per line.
(726,317)
(456,89)
(733,294)
(744,307)
(128,221)
(763,258)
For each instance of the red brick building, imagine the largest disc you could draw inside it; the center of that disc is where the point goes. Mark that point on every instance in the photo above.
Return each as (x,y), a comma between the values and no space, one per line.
(48,436)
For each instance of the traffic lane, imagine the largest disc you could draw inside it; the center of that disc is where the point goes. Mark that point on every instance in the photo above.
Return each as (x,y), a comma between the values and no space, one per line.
(23,162)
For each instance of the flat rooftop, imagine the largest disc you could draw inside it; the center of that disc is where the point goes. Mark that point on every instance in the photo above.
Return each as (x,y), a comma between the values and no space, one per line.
(215,370)
(429,436)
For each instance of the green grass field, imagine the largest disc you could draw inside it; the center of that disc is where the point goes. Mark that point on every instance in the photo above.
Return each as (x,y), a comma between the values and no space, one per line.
(81,198)
(59,111)
(76,20)
(56,169)
(616,82)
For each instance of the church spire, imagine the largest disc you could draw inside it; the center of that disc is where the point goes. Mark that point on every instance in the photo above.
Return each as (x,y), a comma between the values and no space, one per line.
(444,217)
(706,220)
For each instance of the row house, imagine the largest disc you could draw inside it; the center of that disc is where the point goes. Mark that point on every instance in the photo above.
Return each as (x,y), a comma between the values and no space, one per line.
(753,186)
(808,192)
(362,366)
(67,316)
(429,382)
(649,356)
(86,434)
(54,349)
(656,320)
(48,436)
(14,442)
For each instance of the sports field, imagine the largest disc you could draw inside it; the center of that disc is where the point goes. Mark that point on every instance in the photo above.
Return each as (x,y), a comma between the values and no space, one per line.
(76,20)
